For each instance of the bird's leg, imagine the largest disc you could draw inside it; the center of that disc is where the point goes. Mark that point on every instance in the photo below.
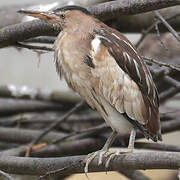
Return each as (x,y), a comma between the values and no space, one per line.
(132,140)
(130,148)
(101,152)
(107,145)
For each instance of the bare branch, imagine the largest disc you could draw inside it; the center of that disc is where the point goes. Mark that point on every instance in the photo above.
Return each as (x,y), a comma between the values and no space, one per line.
(153,25)
(42,39)
(116,8)
(77,145)
(174,67)
(172,91)
(21,136)
(7,176)
(69,148)
(174,33)
(10,106)
(25,92)
(159,37)
(31,47)
(54,124)
(75,164)
(20,32)
(155,146)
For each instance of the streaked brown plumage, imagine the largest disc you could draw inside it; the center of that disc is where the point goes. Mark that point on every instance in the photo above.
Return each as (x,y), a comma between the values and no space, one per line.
(102,65)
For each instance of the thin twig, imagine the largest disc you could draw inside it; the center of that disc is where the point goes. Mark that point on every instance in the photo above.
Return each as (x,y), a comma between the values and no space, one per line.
(31,47)
(89,132)
(159,37)
(169,27)
(150,28)
(58,171)
(174,67)
(41,39)
(7,176)
(53,125)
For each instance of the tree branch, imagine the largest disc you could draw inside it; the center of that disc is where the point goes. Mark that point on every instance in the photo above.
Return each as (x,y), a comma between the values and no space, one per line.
(155,146)
(113,9)
(7,176)
(25,92)
(17,135)
(31,47)
(75,164)
(10,106)
(173,32)
(54,124)
(20,32)
(171,66)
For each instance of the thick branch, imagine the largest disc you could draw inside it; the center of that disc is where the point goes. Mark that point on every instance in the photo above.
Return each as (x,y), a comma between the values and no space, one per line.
(16,135)
(10,106)
(20,32)
(25,92)
(116,8)
(75,164)
(78,147)
(155,146)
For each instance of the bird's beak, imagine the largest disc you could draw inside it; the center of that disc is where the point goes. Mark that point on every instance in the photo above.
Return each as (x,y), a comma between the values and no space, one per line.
(46,16)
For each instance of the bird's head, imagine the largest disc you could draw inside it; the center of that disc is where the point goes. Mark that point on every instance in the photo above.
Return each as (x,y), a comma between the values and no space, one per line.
(60,17)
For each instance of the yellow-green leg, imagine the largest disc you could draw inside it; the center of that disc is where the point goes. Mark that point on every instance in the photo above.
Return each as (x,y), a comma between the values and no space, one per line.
(132,140)
(101,152)
(130,148)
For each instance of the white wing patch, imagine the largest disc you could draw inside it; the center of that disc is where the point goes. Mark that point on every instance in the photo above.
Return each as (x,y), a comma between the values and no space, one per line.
(95,44)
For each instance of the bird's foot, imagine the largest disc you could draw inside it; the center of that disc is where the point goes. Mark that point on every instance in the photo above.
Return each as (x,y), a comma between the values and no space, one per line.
(113,154)
(101,153)
(91,156)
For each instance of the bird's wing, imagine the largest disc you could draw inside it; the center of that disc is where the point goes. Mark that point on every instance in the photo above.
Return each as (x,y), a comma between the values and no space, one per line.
(127,83)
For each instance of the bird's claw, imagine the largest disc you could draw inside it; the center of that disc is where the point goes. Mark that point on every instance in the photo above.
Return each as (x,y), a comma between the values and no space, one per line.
(112,155)
(91,156)
(107,154)
(88,160)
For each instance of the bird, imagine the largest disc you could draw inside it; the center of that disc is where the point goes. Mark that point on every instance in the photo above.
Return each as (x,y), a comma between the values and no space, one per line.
(104,67)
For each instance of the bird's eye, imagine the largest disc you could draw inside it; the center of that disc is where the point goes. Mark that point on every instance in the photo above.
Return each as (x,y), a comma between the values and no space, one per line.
(62,16)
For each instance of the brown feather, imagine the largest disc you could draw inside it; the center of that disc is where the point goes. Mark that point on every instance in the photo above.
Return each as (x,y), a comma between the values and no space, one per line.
(114,79)
(131,63)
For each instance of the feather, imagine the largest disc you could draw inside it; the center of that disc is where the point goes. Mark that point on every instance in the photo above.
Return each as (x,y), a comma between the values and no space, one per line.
(131,89)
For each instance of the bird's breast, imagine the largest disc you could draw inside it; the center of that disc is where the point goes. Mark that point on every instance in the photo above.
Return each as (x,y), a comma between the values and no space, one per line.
(69,53)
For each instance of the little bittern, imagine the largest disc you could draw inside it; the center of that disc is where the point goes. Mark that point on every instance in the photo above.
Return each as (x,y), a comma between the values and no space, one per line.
(104,67)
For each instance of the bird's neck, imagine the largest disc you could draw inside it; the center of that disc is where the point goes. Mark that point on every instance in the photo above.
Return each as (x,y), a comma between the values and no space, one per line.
(83,27)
